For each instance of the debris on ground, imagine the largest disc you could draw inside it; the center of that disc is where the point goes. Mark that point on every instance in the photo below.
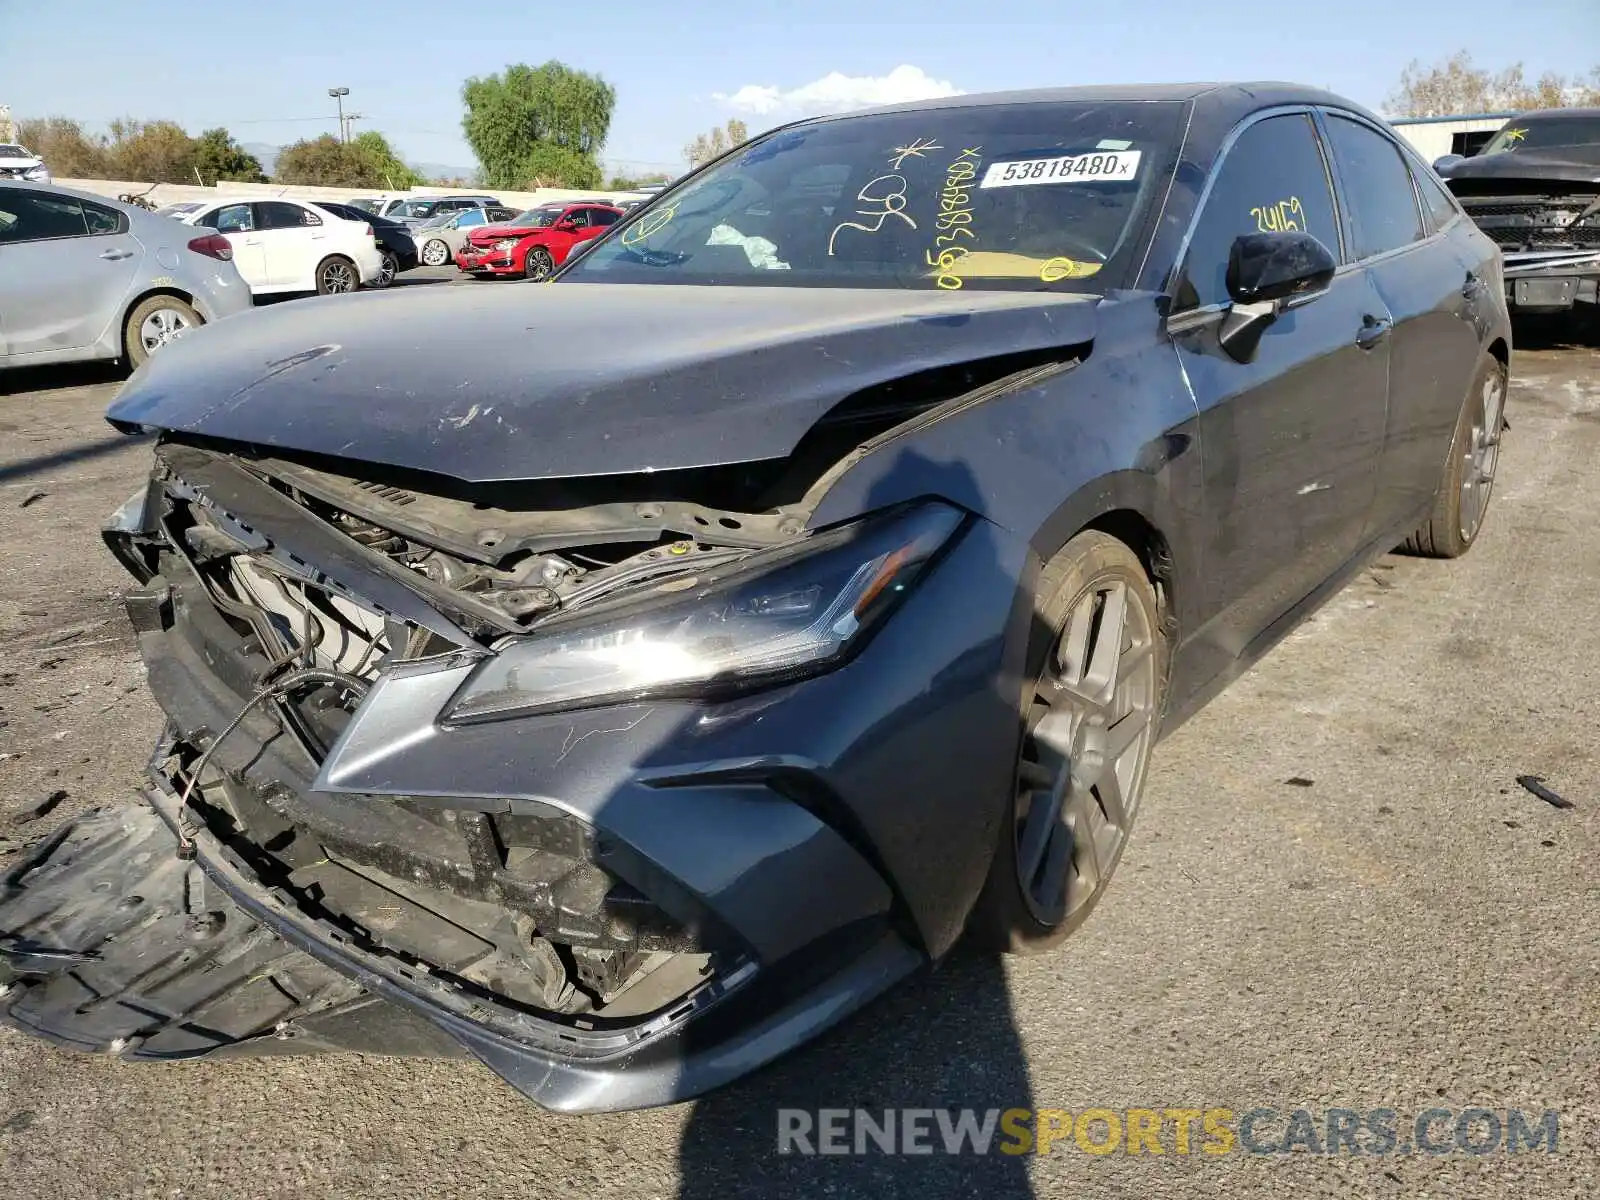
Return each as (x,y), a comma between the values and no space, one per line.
(32,498)
(1535,784)
(1299,781)
(43,807)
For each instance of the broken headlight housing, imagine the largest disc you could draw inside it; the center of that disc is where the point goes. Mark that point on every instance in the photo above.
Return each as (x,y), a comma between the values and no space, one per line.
(772,617)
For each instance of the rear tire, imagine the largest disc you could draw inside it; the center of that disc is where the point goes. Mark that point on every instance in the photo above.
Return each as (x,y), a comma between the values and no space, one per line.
(387,270)
(156,322)
(1090,712)
(336,275)
(435,253)
(1468,483)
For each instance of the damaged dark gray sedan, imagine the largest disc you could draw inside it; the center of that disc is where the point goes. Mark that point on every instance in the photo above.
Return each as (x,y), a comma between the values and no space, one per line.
(623,679)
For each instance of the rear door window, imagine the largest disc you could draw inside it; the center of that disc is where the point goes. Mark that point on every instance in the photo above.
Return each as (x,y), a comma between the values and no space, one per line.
(39,216)
(1377,187)
(275,214)
(1273,180)
(1436,197)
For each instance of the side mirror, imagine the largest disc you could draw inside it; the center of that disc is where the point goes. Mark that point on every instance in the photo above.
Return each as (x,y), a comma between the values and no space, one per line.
(1268,274)
(1443,164)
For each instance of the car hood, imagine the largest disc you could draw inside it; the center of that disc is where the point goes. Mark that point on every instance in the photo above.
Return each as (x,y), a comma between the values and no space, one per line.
(20,164)
(489,233)
(1568,164)
(570,379)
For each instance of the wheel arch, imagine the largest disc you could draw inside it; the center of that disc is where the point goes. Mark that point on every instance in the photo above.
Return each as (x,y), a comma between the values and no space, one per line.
(139,297)
(1126,505)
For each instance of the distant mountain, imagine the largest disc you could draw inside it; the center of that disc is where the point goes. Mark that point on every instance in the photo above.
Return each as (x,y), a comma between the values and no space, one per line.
(268,156)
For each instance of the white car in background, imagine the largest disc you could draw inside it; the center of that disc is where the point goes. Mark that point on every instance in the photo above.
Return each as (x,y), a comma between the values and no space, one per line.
(18,162)
(285,245)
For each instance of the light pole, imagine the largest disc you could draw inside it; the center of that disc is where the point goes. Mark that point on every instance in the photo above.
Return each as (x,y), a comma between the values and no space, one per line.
(339,94)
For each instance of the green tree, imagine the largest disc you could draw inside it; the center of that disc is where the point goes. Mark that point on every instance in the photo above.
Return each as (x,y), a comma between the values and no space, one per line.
(217,156)
(379,165)
(718,142)
(317,162)
(538,125)
(366,161)
(1458,86)
(65,148)
(150,152)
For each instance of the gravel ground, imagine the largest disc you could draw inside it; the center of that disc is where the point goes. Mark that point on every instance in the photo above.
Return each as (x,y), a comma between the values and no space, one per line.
(1407,928)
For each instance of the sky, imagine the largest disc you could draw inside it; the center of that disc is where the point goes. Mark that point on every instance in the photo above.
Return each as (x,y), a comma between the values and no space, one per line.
(264,70)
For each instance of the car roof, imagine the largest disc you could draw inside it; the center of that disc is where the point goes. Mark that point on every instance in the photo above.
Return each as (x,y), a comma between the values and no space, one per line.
(1555,114)
(1245,96)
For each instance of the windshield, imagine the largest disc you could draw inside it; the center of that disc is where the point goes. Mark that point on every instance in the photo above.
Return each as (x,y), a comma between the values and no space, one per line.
(538,218)
(1021,196)
(9,151)
(415,208)
(1540,135)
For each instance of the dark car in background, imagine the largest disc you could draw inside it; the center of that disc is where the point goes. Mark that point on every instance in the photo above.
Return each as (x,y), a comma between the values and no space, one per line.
(395,243)
(1535,189)
(708,640)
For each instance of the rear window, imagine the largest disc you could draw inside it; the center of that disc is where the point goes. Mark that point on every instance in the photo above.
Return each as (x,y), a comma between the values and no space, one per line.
(1019,197)
(1543,134)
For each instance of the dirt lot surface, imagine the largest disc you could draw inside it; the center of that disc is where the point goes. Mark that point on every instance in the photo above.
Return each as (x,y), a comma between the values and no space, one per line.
(1406,928)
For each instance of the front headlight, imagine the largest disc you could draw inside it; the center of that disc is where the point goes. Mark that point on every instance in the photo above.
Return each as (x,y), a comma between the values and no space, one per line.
(776,616)
(505,243)
(38,174)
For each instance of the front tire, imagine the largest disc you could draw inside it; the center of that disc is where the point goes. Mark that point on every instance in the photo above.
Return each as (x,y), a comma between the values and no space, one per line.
(154,323)
(538,265)
(337,275)
(1463,499)
(1090,712)
(435,253)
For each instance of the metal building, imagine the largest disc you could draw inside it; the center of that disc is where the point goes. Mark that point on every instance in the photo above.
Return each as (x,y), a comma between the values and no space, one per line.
(1434,137)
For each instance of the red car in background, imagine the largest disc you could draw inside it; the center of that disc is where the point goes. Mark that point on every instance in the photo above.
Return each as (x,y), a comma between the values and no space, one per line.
(537,242)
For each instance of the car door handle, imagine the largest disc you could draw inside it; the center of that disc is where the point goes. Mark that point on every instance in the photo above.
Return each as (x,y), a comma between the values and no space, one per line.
(1373,330)
(113,254)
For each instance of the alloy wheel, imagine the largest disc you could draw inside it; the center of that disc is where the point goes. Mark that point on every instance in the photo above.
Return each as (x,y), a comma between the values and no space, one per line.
(338,277)
(1090,730)
(1482,454)
(539,264)
(386,271)
(435,253)
(161,327)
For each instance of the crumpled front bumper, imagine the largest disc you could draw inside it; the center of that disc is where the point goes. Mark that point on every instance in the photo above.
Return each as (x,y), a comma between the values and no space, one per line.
(836,831)
(112,943)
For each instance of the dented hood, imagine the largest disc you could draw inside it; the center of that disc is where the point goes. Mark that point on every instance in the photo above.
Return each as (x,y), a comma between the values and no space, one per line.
(514,382)
(1555,164)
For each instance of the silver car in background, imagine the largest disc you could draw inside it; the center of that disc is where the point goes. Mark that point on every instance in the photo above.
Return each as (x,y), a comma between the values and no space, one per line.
(438,238)
(83,277)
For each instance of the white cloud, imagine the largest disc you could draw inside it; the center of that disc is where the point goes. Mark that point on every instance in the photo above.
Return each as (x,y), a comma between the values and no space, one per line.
(835,92)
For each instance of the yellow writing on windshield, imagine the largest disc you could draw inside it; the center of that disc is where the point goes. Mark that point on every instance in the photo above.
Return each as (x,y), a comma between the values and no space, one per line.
(954,220)
(652,223)
(1002,264)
